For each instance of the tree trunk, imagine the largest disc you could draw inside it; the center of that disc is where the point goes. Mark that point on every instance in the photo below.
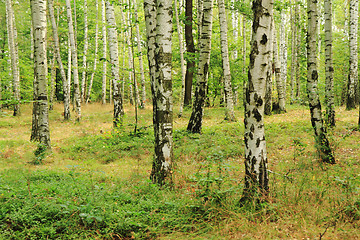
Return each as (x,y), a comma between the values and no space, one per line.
(182,60)
(353,60)
(256,175)
(13,56)
(190,52)
(297,49)
(195,122)
(103,93)
(279,83)
(141,65)
(244,59)
(283,50)
(322,143)
(161,172)
(268,90)
(66,87)
(74,61)
(293,55)
(114,60)
(230,114)
(42,133)
(95,54)
(329,70)
(84,65)
(52,82)
(235,26)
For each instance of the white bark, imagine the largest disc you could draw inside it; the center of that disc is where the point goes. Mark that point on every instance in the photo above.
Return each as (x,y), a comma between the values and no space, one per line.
(230,114)
(74,61)
(86,44)
(329,70)
(235,26)
(283,50)
(52,82)
(66,86)
(96,51)
(114,60)
(12,35)
(195,122)
(353,58)
(182,60)
(163,109)
(322,143)
(38,12)
(103,93)
(256,175)
(141,65)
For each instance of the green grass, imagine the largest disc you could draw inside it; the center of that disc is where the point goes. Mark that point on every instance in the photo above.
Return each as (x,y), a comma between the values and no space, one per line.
(95,182)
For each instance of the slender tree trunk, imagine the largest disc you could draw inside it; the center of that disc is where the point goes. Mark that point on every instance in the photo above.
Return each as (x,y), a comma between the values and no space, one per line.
(190,51)
(42,133)
(66,86)
(244,59)
(182,60)
(329,70)
(103,93)
(293,55)
(256,175)
(195,122)
(141,65)
(353,71)
(297,49)
(283,50)
(86,43)
(163,110)
(74,61)
(268,91)
(114,60)
(322,143)
(235,26)
(230,114)
(13,55)
(52,82)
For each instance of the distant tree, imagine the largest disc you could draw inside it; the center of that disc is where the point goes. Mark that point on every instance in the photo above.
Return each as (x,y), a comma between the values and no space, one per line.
(195,122)
(256,173)
(329,69)
(14,56)
(190,51)
(86,45)
(114,60)
(40,131)
(74,60)
(353,71)
(322,143)
(230,114)
(103,18)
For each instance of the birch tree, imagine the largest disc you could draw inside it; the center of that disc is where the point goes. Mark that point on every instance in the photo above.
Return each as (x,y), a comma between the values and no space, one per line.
(14,58)
(230,114)
(195,122)
(256,175)
(268,92)
(66,86)
(322,143)
(96,51)
(329,70)
(162,89)
(86,44)
(41,132)
(114,60)
(74,61)
(353,59)
(103,18)
(283,49)
(190,51)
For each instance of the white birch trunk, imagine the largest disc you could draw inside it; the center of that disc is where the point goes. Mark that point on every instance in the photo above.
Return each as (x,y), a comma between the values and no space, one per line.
(74,61)
(86,44)
(182,60)
(141,64)
(52,82)
(322,143)
(96,51)
(235,26)
(114,60)
(230,114)
(163,119)
(268,91)
(329,70)
(103,93)
(353,59)
(256,175)
(195,122)
(66,86)
(244,58)
(12,35)
(38,12)
(283,50)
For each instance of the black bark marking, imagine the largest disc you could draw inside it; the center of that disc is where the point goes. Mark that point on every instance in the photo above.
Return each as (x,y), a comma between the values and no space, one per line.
(257,115)
(252,128)
(314,75)
(264,39)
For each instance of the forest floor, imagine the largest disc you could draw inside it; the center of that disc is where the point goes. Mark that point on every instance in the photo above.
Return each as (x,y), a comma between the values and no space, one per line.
(95,182)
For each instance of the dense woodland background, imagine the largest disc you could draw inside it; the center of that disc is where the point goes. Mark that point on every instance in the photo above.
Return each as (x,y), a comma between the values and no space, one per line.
(94,183)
